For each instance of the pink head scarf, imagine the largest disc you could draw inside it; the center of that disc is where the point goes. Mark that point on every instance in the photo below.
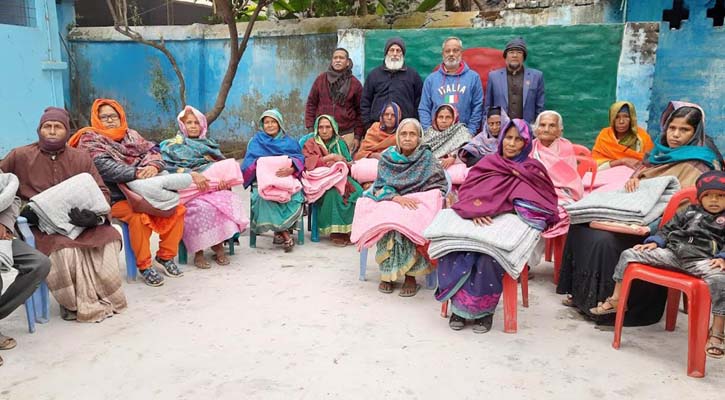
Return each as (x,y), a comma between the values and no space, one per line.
(199,116)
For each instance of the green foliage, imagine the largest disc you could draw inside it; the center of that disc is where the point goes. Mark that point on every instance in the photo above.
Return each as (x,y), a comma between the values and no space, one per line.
(160,88)
(426,5)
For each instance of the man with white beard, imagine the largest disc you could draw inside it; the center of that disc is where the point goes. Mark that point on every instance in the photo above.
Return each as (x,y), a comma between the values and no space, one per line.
(391,82)
(453,83)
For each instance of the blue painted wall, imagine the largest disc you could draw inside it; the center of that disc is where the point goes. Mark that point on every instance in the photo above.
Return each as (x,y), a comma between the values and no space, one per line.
(32,75)
(275,71)
(690,63)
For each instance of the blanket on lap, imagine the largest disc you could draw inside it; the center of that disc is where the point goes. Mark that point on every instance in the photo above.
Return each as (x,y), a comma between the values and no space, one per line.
(321,179)
(374,219)
(509,240)
(161,191)
(640,207)
(225,170)
(364,170)
(53,204)
(273,187)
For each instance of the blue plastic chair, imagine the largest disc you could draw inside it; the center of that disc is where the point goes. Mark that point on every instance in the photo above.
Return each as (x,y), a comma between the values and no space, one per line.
(430,279)
(184,256)
(37,305)
(131,270)
(300,232)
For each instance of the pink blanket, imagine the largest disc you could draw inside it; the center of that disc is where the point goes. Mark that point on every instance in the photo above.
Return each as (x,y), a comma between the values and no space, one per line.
(374,219)
(364,170)
(458,172)
(609,179)
(273,187)
(560,162)
(225,170)
(318,181)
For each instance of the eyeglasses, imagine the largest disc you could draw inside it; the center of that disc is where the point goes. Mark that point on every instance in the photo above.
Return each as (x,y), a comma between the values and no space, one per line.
(109,117)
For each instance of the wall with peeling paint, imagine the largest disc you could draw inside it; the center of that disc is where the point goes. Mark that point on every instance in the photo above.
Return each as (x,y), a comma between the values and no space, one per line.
(32,75)
(276,71)
(580,75)
(690,63)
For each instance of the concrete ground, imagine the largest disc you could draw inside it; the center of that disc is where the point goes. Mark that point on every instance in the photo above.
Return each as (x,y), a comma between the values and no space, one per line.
(302,326)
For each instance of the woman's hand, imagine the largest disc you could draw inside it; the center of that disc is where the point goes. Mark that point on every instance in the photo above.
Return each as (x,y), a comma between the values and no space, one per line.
(200,181)
(631,185)
(717,263)
(332,158)
(285,171)
(645,247)
(375,156)
(411,204)
(630,162)
(447,162)
(223,185)
(146,172)
(482,221)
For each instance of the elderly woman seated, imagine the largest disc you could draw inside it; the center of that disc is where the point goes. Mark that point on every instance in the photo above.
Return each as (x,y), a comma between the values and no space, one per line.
(217,214)
(335,210)
(407,168)
(121,155)
(381,134)
(557,155)
(446,135)
(508,181)
(269,141)
(622,142)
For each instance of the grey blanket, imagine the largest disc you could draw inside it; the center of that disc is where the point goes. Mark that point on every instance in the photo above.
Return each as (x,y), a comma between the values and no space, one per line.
(640,207)
(509,240)
(53,204)
(161,190)
(8,187)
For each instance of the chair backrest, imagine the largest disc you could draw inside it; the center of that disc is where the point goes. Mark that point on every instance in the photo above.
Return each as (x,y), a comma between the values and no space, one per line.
(688,193)
(581,150)
(586,164)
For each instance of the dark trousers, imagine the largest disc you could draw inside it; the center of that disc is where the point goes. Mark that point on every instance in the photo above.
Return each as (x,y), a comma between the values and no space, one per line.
(33,266)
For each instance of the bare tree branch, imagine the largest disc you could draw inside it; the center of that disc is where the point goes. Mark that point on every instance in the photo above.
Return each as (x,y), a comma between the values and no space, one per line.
(236,51)
(119,13)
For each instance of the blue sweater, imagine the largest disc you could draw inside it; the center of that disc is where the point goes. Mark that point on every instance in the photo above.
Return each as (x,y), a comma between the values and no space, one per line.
(462,89)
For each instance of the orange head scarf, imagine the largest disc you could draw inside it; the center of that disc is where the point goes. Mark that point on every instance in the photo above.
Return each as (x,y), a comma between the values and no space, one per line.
(115,134)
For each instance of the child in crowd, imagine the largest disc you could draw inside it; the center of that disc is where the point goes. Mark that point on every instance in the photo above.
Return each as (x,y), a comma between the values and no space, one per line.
(693,241)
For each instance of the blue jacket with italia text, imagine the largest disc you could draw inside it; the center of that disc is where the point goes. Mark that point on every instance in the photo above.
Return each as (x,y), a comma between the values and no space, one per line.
(462,89)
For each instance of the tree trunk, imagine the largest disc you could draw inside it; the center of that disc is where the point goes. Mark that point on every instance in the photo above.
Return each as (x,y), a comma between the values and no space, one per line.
(363,10)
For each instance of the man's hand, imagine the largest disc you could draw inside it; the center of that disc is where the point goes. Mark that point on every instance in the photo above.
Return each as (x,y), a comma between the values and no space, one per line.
(645,247)
(83,218)
(411,204)
(146,172)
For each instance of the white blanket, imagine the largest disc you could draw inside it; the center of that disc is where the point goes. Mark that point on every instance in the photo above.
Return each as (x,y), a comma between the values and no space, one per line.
(161,190)
(8,188)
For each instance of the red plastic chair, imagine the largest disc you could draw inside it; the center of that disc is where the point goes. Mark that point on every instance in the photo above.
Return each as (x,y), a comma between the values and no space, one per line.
(510,300)
(695,289)
(586,164)
(581,150)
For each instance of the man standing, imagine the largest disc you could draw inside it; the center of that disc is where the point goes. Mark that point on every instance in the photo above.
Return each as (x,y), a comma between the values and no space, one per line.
(453,83)
(391,82)
(336,92)
(519,90)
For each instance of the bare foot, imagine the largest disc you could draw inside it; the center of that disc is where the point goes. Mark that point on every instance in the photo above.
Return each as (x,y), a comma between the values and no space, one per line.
(219,256)
(200,261)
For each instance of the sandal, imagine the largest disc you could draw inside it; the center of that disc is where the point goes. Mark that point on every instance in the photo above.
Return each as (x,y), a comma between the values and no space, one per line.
(719,348)
(278,238)
(456,322)
(600,309)
(151,277)
(7,343)
(386,287)
(170,268)
(289,244)
(201,262)
(483,324)
(220,259)
(568,301)
(409,291)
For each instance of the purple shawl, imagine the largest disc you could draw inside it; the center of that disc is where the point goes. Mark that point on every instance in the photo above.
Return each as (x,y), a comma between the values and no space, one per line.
(495,182)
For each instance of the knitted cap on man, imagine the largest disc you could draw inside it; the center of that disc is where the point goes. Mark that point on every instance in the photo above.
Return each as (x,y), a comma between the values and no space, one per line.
(395,40)
(516,43)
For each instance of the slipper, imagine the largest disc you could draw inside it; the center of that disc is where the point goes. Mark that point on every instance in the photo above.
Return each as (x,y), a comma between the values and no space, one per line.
(278,239)
(386,290)
(289,245)
(203,264)
(223,260)
(7,343)
(600,309)
(568,301)
(341,242)
(403,294)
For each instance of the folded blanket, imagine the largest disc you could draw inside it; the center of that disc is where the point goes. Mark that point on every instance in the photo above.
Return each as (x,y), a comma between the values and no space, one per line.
(318,181)
(273,187)
(374,219)
(53,204)
(8,187)
(225,170)
(364,170)
(161,190)
(640,207)
(509,240)
(6,253)
(458,172)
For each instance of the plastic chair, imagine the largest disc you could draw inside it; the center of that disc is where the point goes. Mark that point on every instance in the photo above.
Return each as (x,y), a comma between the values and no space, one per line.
(131,270)
(587,164)
(696,290)
(510,300)
(581,150)
(37,305)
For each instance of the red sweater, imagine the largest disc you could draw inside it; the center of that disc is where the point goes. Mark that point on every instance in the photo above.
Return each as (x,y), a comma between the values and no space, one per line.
(347,115)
